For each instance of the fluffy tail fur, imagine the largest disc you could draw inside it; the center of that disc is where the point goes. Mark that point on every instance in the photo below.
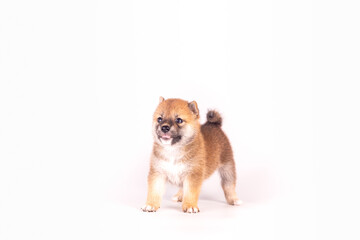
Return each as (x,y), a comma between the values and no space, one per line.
(214,117)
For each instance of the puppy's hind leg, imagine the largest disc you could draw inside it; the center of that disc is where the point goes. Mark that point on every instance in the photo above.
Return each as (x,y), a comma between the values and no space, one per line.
(228,182)
(179,196)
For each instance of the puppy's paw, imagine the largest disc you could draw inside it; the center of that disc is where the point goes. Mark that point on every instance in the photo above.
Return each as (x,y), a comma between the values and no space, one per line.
(177,198)
(238,202)
(149,208)
(190,209)
(235,202)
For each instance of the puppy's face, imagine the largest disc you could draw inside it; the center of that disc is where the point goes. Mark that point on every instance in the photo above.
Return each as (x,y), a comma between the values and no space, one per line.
(175,122)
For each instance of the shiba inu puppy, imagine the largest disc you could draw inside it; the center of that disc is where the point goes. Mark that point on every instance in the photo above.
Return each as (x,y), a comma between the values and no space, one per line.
(185,153)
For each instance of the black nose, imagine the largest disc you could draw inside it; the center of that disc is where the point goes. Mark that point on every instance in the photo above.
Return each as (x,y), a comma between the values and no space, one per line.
(165,128)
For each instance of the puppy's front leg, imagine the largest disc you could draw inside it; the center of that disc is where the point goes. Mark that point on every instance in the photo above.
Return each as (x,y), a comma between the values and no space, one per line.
(192,186)
(156,186)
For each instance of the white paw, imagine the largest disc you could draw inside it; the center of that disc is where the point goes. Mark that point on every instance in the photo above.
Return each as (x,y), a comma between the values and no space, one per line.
(148,208)
(177,198)
(238,202)
(192,210)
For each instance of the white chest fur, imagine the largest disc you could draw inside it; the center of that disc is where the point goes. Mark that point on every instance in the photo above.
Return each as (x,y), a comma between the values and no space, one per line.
(172,166)
(174,171)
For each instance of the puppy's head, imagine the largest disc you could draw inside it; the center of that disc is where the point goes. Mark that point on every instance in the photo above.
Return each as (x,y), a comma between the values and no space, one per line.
(175,122)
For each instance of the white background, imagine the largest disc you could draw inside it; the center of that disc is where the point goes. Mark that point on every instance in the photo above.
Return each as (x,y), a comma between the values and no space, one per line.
(79,81)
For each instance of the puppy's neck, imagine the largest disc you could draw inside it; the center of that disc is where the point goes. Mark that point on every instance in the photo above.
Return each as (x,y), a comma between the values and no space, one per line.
(173,149)
(176,152)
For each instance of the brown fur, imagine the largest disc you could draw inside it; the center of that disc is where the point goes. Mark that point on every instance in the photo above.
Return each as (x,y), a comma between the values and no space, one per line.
(192,153)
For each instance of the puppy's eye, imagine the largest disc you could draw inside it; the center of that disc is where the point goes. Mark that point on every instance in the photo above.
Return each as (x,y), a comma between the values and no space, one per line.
(159,119)
(179,120)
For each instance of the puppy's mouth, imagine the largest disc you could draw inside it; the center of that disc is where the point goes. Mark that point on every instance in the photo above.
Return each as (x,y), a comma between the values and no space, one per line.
(167,139)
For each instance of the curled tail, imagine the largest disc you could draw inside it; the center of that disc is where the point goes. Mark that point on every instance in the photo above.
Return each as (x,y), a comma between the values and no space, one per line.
(213,117)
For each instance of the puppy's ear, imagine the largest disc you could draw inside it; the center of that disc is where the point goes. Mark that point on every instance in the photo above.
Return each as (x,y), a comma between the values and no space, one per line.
(161,99)
(194,108)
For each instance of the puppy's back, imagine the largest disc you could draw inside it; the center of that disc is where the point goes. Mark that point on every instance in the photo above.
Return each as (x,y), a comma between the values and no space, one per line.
(217,145)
